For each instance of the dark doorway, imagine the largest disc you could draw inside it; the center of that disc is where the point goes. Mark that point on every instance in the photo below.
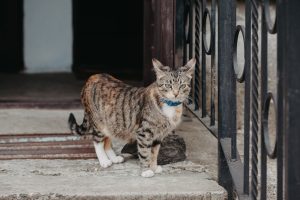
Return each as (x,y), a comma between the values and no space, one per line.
(11,35)
(108,37)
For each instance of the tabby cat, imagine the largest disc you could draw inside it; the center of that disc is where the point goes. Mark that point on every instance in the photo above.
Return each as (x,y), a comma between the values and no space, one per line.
(146,114)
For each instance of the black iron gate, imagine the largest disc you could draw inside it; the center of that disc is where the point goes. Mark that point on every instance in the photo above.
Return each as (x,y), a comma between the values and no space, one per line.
(246,178)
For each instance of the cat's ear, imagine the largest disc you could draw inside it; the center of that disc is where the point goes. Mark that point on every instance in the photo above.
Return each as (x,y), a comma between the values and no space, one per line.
(159,68)
(189,68)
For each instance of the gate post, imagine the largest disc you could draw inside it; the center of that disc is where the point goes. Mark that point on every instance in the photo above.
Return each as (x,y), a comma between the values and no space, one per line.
(289,94)
(226,88)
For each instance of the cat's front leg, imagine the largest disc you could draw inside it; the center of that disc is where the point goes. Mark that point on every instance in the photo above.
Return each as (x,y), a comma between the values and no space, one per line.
(154,151)
(144,142)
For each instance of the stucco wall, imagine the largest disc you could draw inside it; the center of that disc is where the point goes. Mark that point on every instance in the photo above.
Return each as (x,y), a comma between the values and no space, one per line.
(48,35)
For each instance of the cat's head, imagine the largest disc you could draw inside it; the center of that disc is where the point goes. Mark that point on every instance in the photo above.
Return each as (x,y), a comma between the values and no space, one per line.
(174,84)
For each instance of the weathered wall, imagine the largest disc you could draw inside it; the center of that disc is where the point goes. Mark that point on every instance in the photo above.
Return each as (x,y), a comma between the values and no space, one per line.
(48,35)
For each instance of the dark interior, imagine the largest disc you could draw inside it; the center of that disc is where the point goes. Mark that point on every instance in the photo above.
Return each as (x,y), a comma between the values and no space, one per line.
(11,35)
(108,37)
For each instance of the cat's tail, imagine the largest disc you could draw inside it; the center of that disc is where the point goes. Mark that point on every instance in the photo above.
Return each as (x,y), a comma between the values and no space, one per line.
(75,128)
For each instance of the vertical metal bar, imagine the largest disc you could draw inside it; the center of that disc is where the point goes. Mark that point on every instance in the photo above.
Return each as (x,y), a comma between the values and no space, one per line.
(247,94)
(254,89)
(282,59)
(184,60)
(213,63)
(233,80)
(197,53)
(289,102)
(190,9)
(203,67)
(191,29)
(226,87)
(186,14)
(264,90)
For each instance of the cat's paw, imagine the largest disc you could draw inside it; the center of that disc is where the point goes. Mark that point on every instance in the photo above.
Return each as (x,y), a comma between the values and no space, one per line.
(105,163)
(158,169)
(118,159)
(147,174)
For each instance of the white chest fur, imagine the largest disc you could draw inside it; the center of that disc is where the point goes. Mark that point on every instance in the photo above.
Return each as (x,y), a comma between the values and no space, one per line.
(173,113)
(169,111)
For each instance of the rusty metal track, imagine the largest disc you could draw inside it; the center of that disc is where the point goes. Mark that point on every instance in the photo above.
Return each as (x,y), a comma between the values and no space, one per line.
(45,146)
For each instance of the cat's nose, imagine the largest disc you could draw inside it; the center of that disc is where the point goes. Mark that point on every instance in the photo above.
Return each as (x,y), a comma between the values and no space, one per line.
(176,93)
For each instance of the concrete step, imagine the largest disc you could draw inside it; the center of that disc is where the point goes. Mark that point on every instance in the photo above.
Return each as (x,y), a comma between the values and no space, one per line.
(85,179)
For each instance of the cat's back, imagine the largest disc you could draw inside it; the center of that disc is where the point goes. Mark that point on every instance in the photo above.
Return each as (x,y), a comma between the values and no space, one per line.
(103,80)
(104,88)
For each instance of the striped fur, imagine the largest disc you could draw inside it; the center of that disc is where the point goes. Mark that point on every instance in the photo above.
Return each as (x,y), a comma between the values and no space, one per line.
(115,109)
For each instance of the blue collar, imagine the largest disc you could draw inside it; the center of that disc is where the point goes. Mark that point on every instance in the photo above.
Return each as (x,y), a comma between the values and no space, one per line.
(170,103)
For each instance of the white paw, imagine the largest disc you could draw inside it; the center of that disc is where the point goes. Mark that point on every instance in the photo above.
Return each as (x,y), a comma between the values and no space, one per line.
(105,163)
(147,174)
(117,159)
(158,169)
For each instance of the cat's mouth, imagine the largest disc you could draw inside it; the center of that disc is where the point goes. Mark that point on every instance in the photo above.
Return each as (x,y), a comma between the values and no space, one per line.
(178,99)
(171,97)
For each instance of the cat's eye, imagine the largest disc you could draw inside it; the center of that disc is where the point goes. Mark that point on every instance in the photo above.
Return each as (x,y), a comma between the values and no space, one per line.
(168,86)
(182,86)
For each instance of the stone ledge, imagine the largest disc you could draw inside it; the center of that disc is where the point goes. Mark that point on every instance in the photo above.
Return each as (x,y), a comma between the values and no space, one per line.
(84,179)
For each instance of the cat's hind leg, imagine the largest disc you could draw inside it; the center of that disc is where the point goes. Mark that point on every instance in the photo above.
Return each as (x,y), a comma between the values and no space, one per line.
(110,152)
(99,144)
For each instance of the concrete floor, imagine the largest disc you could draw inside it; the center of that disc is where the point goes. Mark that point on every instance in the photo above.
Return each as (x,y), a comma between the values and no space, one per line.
(201,145)
(83,179)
